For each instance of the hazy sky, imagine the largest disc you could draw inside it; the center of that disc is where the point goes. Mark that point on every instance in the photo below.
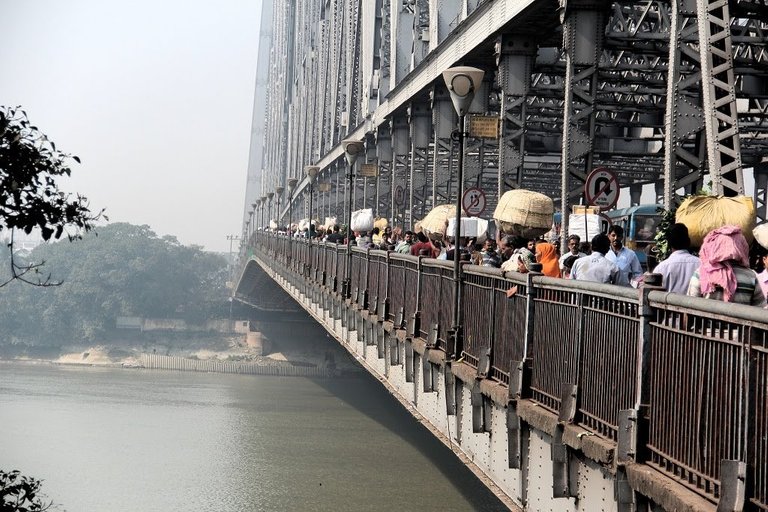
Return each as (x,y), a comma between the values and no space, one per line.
(155,97)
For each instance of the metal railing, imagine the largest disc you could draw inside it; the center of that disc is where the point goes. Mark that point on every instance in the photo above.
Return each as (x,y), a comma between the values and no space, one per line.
(695,370)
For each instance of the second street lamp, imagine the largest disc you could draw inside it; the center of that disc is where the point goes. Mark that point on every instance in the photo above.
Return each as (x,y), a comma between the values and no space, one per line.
(462,82)
(352,149)
(311,171)
(270,195)
(278,192)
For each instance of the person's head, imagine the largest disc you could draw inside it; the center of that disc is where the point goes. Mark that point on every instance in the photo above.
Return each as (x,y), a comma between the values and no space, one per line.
(519,242)
(545,252)
(388,230)
(678,238)
(531,245)
(408,236)
(585,248)
(615,235)
(421,236)
(723,244)
(568,263)
(573,244)
(376,231)
(336,228)
(601,243)
(489,245)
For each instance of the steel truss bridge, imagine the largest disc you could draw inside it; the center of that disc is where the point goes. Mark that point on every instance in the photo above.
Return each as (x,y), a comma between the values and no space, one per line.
(672,94)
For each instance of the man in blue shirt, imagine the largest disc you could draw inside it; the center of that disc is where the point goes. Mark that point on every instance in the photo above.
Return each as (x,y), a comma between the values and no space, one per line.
(625,259)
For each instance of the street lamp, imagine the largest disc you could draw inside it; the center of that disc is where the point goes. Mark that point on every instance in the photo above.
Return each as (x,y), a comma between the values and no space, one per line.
(352,149)
(263,205)
(462,82)
(278,192)
(292,182)
(253,219)
(270,195)
(311,172)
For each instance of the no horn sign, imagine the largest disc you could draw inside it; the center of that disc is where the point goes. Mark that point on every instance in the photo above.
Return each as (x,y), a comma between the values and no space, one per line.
(602,188)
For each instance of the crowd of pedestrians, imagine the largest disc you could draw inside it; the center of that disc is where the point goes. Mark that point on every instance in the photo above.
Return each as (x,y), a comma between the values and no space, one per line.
(721,271)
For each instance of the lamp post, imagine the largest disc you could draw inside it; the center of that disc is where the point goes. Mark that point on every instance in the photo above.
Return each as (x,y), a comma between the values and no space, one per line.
(311,172)
(462,82)
(291,187)
(263,205)
(278,192)
(352,149)
(253,220)
(270,195)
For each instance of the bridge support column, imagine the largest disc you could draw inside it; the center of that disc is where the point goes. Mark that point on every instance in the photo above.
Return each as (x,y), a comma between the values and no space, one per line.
(761,191)
(419,195)
(400,170)
(385,183)
(401,40)
(515,57)
(444,121)
(583,33)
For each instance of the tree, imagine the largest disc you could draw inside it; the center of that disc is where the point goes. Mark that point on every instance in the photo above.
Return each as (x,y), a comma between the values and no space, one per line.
(30,198)
(20,493)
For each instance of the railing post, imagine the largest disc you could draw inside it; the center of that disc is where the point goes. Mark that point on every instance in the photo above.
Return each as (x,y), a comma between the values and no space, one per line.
(414,323)
(520,377)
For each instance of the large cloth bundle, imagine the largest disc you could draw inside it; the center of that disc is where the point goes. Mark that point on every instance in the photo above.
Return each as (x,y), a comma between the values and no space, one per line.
(585,226)
(702,214)
(525,213)
(273,224)
(380,223)
(329,223)
(471,227)
(436,221)
(761,234)
(362,220)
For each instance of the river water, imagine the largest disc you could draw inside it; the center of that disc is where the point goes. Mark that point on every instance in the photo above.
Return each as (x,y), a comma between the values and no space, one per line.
(111,440)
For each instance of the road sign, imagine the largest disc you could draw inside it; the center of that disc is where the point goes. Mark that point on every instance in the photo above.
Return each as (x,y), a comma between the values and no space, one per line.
(473,202)
(484,127)
(399,195)
(602,188)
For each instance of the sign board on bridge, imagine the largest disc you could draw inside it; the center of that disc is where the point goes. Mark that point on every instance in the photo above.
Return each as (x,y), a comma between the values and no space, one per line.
(473,202)
(369,170)
(484,127)
(602,188)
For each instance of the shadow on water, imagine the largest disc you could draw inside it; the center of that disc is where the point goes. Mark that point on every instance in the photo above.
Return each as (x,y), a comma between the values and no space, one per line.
(368,396)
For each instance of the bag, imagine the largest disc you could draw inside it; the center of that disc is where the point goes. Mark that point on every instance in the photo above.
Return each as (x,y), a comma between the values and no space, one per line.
(702,214)
(362,220)
(525,213)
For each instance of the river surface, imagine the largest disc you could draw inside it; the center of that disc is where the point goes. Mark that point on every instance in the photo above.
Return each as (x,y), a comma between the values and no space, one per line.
(111,440)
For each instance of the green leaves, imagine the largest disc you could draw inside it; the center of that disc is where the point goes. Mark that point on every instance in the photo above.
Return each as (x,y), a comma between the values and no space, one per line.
(19,493)
(29,193)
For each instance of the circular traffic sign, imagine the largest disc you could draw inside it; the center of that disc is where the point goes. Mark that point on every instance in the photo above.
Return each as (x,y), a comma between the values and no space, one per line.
(473,202)
(602,188)
(399,195)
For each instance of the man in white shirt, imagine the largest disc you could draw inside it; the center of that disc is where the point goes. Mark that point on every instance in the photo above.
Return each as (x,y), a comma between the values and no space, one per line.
(679,266)
(596,267)
(625,259)
(573,250)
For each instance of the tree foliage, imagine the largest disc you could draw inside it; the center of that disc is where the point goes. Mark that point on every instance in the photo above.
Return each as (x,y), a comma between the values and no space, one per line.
(19,493)
(30,197)
(125,271)
(29,193)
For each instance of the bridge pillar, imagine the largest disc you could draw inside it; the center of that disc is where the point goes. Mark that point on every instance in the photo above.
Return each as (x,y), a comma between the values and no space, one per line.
(443,15)
(515,57)
(583,34)
(480,154)
(419,193)
(401,40)
(400,169)
(635,192)
(421,24)
(761,191)
(444,122)
(385,183)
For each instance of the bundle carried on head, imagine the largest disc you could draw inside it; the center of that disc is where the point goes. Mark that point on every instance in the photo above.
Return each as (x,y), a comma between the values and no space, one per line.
(525,213)
(362,220)
(436,221)
(703,214)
